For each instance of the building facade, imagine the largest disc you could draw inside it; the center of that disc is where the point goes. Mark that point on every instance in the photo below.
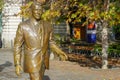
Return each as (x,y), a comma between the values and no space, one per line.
(10,22)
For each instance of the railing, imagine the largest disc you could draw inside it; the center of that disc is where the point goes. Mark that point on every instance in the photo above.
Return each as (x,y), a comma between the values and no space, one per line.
(86,49)
(88,55)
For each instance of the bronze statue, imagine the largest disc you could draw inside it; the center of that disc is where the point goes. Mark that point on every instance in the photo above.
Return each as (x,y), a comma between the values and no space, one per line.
(35,35)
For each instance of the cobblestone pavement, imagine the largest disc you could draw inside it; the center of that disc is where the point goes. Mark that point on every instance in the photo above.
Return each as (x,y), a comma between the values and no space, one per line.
(59,70)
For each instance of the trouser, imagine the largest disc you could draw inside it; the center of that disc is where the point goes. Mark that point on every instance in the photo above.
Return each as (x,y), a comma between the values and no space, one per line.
(38,75)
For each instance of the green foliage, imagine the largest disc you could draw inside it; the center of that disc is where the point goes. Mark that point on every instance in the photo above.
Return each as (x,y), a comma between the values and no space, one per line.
(25,10)
(57,38)
(116,28)
(1,5)
(74,10)
(116,31)
(74,40)
(97,48)
(112,49)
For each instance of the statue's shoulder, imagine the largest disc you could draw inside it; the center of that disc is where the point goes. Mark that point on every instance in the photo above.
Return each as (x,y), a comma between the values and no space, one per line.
(47,23)
(24,23)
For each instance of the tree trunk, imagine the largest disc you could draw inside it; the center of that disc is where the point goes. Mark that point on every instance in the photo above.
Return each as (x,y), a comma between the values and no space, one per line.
(105,37)
(104,48)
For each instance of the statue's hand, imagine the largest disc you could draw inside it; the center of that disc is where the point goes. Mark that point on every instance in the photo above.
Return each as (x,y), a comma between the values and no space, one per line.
(63,57)
(18,69)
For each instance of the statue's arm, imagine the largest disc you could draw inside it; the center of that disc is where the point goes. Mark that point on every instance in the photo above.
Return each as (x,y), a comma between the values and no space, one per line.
(18,46)
(56,49)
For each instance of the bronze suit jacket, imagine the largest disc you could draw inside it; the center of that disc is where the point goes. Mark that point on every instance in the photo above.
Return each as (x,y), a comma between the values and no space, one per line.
(36,43)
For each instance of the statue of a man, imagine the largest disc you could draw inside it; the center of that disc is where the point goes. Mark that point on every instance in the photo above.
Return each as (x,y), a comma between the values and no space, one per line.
(35,35)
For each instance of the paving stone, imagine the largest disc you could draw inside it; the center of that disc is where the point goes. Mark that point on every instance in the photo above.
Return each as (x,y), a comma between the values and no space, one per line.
(59,70)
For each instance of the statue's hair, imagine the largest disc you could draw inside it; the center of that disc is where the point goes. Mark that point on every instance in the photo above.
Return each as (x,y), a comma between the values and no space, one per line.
(35,3)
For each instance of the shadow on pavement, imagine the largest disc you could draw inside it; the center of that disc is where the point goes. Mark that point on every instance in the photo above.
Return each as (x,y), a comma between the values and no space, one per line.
(46,77)
(6,64)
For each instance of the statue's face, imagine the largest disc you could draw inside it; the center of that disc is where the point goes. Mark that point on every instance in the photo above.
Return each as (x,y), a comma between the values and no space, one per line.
(37,12)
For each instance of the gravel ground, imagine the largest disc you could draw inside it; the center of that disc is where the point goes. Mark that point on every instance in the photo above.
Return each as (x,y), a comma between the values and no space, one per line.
(59,70)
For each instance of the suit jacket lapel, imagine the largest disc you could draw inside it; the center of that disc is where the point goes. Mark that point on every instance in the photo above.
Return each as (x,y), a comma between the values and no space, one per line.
(32,27)
(41,33)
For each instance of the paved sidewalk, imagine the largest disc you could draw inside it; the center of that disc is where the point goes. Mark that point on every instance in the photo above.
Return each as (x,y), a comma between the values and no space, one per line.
(59,70)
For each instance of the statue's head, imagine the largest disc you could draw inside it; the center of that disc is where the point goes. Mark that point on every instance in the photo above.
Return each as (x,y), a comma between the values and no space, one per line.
(37,10)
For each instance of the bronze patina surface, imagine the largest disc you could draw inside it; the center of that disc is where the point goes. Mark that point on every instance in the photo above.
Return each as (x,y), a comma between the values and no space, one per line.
(35,35)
